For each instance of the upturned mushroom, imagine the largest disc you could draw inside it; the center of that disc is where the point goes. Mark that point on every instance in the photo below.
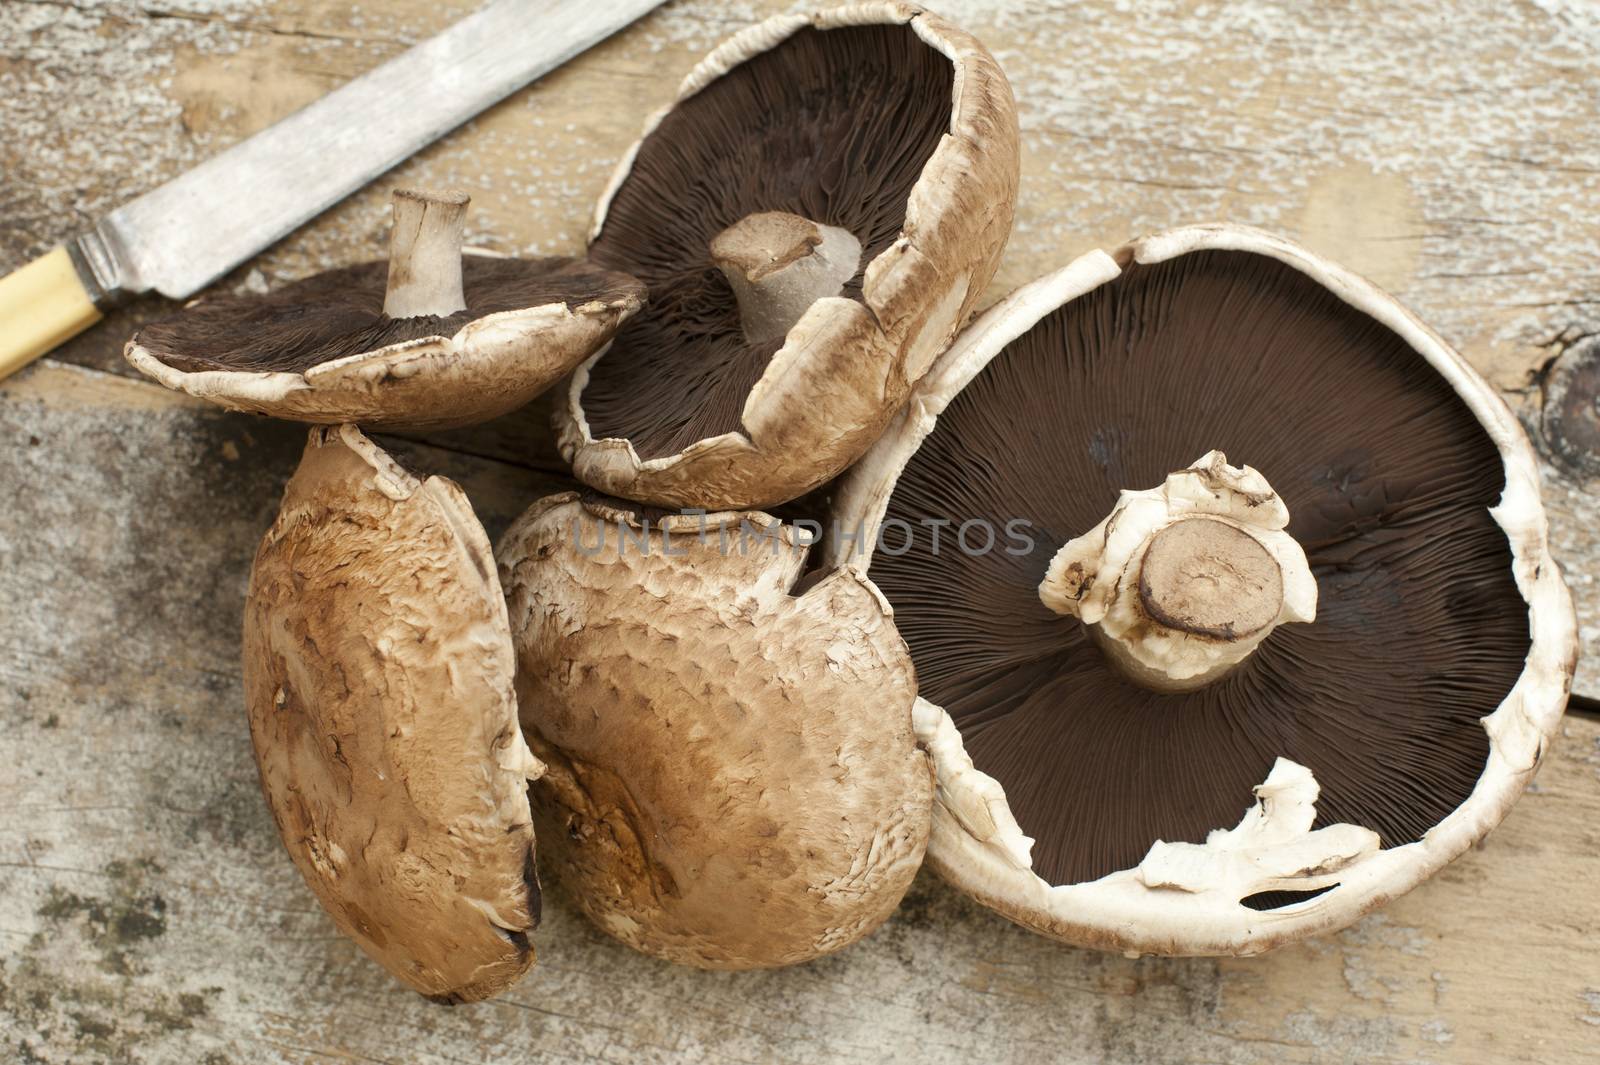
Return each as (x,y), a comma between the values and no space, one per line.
(430,339)
(378,678)
(1119,647)
(733,779)
(814,216)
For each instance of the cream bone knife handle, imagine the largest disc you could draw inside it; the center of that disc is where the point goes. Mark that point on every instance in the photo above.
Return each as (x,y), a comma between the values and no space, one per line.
(42,305)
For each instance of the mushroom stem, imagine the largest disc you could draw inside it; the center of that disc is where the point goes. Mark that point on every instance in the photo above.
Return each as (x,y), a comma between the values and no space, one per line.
(779,264)
(425,254)
(1181,583)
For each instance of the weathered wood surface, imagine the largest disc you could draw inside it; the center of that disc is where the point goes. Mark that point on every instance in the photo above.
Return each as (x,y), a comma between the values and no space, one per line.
(147,913)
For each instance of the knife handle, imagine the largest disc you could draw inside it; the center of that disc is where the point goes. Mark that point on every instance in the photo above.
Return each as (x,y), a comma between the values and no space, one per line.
(43,304)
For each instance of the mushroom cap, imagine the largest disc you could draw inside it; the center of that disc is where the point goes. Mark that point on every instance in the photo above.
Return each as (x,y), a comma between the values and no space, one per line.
(378,676)
(836,116)
(734,781)
(1448,635)
(321,349)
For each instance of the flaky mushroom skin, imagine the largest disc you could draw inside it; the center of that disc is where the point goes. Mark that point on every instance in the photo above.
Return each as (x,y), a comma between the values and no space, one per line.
(977,843)
(378,678)
(733,778)
(847,365)
(490,367)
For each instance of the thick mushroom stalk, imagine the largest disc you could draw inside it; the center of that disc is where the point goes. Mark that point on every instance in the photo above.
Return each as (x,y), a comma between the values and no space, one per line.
(1181,583)
(425,254)
(779,264)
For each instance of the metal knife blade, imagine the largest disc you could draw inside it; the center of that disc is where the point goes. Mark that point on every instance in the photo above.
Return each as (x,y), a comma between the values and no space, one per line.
(181,236)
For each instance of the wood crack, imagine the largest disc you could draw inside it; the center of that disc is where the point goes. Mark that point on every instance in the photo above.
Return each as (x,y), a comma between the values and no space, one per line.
(126,13)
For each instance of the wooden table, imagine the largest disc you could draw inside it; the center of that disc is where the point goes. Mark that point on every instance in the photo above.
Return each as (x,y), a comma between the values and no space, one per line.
(147,912)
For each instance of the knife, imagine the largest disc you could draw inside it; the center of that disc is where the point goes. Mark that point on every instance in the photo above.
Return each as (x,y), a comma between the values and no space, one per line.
(180,237)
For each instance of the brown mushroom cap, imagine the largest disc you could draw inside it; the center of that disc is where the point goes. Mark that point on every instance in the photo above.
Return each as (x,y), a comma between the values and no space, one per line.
(378,676)
(322,349)
(880,123)
(1416,705)
(733,778)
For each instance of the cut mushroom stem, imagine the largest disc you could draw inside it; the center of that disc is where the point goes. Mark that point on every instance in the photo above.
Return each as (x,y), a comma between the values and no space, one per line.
(1181,583)
(425,254)
(779,264)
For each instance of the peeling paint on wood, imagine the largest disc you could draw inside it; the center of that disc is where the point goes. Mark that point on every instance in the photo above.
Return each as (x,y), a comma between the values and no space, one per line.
(147,912)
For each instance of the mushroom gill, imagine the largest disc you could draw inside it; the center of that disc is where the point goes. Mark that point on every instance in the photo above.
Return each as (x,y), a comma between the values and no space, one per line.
(831,127)
(341,312)
(1388,478)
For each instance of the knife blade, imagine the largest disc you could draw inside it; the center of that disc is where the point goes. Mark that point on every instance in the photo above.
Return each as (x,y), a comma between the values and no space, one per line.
(183,235)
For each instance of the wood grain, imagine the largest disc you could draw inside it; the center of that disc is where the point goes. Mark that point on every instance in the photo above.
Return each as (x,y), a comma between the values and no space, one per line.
(147,912)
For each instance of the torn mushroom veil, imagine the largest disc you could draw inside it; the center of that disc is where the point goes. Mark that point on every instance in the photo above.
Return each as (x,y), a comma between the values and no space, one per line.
(1382,675)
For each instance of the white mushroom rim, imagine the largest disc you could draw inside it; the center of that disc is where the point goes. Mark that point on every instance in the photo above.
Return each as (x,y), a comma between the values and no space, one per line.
(1187,898)
(885,274)
(477,341)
